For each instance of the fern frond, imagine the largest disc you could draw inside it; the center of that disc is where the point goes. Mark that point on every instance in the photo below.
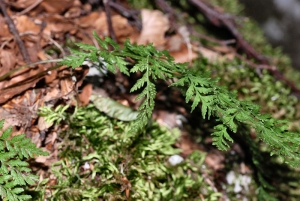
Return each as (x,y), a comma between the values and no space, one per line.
(148,94)
(221,137)
(200,89)
(226,107)
(14,172)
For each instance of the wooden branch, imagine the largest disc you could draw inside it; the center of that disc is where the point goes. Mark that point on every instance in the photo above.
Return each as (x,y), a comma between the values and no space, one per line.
(221,20)
(131,15)
(15,32)
(109,21)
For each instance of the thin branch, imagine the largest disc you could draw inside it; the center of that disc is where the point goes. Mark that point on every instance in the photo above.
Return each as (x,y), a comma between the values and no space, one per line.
(166,8)
(221,20)
(29,8)
(109,21)
(131,15)
(15,32)
(3,77)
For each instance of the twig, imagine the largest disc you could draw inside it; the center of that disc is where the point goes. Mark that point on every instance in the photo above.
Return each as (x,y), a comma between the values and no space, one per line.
(108,18)
(30,79)
(3,77)
(221,20)
(166,8)
(15,32)
(214,40)
(11,38)
(129,14)
(55,43)
(29,8)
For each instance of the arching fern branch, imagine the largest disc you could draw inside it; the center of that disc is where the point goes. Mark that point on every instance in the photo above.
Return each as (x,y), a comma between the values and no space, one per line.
(198,88)
(229,110)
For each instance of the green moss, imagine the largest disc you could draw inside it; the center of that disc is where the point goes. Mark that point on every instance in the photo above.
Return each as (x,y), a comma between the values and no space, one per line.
(120,165)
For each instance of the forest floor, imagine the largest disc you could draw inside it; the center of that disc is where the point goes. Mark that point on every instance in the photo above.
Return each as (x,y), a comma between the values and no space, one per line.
(39,33)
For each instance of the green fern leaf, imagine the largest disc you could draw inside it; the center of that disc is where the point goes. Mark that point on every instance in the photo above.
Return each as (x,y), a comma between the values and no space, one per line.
(6,133)
(103,44)
(86,47)
(221,137)
(139,84)
(15,174)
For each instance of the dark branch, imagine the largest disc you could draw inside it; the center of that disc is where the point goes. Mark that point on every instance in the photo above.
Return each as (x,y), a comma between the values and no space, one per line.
(221,20)
(15,32)
(108,18)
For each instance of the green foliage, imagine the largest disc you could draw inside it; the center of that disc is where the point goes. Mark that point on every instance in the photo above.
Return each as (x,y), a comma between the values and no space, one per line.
(102,159)
(15,174)
(199,88)
(57,115)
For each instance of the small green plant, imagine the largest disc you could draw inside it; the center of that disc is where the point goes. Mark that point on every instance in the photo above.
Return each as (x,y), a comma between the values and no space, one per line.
(197,88)
(15,175)
(57,115)
(102,159)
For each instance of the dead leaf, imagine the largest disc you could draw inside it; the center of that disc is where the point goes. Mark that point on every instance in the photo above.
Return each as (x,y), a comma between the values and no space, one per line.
(7,61)
(84,96)
(4,31)
(90,20)
(212,56)
(215,160)
(22,110)
(24,24)
(21,4)
(120,25)
(67,86)
(20,81)
(43,125)
(184,55)
(57,6)
(155,25)
(58,24)
(52,94)
(165,118)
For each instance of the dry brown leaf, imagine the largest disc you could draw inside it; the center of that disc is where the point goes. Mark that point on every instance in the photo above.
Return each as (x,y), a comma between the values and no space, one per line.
(212,56)
(120,24)
(21,4)
(21,81)
(22,110)
(215,160)
(58,24)
(7,60)
(32,50)
(174,43)
(4,31)
(57,6)
(90,20)
(24,24)
(166,118)
(52,94)
(66,86)
(184,55)
(51,77)
(155,25)
(43,125)
(84,96)
(73,12)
